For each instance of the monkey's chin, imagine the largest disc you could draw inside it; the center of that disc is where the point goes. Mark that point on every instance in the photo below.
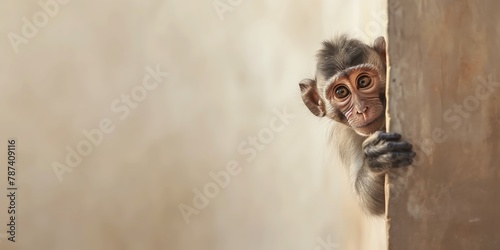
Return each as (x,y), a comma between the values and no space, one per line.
(371,127)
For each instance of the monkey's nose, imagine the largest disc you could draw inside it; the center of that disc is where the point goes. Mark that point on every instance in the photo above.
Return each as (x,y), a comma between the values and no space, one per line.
(362,111)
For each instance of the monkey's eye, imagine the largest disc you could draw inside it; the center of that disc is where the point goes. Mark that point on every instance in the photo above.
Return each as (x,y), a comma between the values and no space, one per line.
(341,92)
(364,81)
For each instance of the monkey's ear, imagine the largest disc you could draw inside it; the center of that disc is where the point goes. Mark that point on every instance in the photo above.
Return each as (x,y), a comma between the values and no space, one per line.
(311,97)
(379,47)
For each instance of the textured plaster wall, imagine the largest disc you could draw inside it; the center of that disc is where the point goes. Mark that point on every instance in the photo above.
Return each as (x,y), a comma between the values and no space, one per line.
(443,97)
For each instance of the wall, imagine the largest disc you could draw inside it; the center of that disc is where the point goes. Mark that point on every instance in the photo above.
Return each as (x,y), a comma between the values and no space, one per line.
(443,98)
(228,73)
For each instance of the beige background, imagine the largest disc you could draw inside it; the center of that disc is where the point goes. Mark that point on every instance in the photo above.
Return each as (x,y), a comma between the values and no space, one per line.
(225,78)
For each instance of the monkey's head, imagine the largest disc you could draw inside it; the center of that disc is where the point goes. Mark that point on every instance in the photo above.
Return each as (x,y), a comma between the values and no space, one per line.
(350,84)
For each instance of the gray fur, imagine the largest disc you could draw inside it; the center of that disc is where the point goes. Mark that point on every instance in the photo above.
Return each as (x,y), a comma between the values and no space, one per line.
(367,158)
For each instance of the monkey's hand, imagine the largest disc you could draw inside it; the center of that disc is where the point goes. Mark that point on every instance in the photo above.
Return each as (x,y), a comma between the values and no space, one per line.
(384,151)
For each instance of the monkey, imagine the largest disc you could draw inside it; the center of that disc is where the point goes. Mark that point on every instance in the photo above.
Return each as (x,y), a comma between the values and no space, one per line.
(349,88)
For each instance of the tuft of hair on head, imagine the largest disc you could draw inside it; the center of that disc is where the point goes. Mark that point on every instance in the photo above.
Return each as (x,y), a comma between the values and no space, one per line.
(340,53)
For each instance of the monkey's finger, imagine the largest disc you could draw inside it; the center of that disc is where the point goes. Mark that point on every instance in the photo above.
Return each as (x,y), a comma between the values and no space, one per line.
(402,155)
(398,146)
(404,162)
(395,157)
(380,136)
(385,163)
(387,147)
(375,151)
(388,136)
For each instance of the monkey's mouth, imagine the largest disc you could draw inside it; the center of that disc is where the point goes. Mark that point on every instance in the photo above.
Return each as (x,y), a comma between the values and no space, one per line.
(369,123)
(370,127)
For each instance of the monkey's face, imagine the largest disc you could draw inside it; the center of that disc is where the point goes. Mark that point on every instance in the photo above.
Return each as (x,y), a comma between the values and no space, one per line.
(349,85)
(355,97)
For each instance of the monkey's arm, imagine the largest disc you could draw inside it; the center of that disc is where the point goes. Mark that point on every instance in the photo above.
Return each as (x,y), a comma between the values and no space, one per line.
(383,153)
(370,189)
